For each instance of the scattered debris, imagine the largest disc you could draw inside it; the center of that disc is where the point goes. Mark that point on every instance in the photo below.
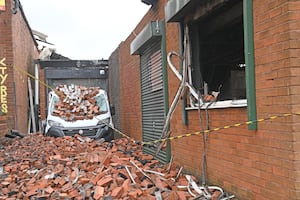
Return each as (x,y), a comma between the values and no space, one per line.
(13,134)
(40,167)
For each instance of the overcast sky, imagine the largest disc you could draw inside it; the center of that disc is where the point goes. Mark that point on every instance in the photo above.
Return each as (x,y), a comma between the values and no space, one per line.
(84,29)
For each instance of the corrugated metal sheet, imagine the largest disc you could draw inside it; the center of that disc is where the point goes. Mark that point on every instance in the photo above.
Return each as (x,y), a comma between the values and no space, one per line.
(153,111)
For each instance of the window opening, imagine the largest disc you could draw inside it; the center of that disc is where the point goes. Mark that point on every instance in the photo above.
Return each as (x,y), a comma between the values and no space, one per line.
(218,61)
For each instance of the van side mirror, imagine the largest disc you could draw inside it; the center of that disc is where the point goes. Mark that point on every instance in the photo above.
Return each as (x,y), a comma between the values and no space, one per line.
(112,109)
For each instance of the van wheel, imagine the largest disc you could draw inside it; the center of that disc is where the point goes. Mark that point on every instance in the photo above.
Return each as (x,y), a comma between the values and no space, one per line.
(109,137)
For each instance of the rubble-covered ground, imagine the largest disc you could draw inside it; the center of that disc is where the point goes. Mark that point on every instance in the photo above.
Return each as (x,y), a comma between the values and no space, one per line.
(40,167)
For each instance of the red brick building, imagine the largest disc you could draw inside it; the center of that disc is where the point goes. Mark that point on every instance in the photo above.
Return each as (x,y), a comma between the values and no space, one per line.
(17,53)
(247,50)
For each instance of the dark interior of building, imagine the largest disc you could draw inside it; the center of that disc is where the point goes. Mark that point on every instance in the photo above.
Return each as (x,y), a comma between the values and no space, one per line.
(218,52)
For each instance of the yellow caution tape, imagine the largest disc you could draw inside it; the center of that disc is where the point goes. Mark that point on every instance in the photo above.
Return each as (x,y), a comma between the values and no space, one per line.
(179,136)
(123,134)
(205,131)
(218,129)
(33,77)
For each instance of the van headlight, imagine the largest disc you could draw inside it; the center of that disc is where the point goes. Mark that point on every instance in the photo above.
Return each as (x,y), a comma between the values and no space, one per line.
(54,123)
(104,121)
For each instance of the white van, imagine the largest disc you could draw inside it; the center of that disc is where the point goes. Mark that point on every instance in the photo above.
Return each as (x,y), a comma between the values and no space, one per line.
(93,127)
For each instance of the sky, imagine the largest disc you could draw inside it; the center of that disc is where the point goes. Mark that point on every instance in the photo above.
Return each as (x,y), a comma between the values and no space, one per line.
(84,29)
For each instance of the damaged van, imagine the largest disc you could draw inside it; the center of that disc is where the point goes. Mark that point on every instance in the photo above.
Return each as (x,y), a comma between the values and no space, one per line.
(79,110)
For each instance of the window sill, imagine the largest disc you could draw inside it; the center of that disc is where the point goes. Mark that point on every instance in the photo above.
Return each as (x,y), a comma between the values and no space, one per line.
(221,104)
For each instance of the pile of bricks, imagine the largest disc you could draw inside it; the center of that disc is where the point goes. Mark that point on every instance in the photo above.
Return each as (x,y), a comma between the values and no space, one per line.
(76,102)
(39,167)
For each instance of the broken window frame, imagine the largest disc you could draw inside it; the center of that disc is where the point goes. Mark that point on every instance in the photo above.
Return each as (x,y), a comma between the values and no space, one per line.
(177,11)
(192,70)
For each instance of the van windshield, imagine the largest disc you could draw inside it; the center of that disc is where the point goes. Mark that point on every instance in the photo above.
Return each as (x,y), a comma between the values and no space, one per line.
(53,103)
(99,101)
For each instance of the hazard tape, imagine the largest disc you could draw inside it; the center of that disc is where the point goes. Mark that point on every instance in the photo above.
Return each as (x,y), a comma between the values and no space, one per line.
(174,137)
(33,77)
(121,133)
(205,131)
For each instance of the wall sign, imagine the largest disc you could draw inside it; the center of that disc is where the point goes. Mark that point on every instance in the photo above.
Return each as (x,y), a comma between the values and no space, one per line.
(3,87)
(2,5)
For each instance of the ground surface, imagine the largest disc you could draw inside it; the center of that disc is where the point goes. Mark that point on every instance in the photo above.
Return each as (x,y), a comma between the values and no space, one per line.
(39,167)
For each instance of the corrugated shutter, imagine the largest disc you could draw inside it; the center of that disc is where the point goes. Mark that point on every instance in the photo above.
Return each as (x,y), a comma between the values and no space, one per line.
(153,110)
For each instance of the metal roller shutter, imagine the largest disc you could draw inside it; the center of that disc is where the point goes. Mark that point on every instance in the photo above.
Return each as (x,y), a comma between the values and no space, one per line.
(153,110)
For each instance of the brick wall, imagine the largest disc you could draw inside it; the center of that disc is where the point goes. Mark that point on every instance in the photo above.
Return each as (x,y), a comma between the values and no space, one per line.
(130,88)
(130,92)
(260,164)
(255,164)
(277,68)
(6,53)
(25,52)
(114,86)
(18,47)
